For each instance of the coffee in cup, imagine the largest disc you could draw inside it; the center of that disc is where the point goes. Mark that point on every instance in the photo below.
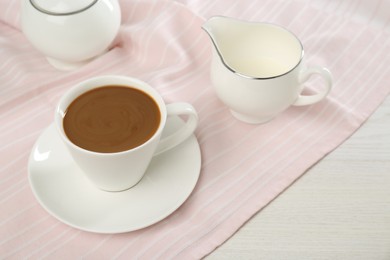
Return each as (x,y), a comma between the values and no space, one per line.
(111,119)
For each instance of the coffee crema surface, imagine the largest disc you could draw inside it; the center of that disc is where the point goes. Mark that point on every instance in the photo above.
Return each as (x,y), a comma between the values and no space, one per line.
(111,119)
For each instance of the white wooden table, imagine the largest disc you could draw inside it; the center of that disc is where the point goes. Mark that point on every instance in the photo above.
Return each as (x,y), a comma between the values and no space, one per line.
(340,208)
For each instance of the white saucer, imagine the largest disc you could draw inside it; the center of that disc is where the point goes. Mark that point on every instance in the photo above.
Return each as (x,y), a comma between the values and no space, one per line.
(64,192)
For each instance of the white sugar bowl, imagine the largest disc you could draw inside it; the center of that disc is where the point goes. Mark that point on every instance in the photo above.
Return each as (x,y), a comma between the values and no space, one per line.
(70,33)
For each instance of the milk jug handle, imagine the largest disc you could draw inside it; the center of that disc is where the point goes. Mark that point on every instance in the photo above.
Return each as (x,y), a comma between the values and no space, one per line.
(181,134)
(304,100)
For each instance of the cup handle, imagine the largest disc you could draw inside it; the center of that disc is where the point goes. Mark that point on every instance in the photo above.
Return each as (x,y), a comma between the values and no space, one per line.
(311,99)
(181,134)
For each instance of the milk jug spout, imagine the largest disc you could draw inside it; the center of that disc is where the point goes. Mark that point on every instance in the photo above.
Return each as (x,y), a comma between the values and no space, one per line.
(239,44)
(222,31)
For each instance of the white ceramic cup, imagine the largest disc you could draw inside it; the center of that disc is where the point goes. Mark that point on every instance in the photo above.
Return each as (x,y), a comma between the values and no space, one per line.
(122,170)
(257,69)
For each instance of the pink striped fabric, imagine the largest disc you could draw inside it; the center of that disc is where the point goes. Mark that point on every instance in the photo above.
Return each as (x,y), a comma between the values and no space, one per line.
(244,167)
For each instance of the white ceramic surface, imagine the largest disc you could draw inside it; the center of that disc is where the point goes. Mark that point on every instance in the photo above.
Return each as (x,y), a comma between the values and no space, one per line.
(257,69)
(70,33)
(122,170)
(62,189)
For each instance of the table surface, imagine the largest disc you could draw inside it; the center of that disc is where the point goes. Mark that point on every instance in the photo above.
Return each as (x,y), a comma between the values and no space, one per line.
(339,209)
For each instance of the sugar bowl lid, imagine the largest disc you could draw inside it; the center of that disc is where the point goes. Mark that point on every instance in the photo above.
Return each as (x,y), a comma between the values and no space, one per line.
(62,7)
